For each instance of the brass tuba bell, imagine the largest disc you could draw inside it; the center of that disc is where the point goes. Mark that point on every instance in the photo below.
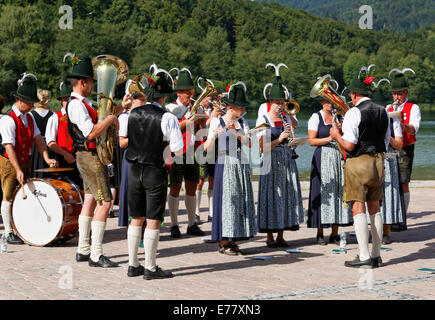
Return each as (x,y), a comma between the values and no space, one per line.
(207,91)
(291,107)
(110,71)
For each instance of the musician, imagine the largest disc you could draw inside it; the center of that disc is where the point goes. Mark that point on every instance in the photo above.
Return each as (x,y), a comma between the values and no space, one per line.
(19,132)
(84,129)
(279,193)
(58,138)
(410,123)
(206,170)
(151,130)
(365,135)
(2,104)
(393,207)
(233,199)
(41,114)
(185,168)
(325,206)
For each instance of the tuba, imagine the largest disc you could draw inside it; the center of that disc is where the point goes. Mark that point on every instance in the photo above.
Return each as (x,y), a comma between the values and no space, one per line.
(110,71)
(324,90)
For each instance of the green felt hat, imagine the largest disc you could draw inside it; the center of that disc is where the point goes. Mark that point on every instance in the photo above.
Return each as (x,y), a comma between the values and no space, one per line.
(236,95)
(82,68)
(399,82)
(358,85)
(65,90)
(277,90)
(184,79)
(27,90)
(379,97)
(163,86)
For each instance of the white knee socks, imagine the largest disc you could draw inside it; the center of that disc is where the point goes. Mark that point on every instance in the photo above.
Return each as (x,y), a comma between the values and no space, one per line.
(190,207)
(198,202)
(406,197)
(173,204)
(84,246)
(150,243)
(362,235)
(98,228)
(377,229)
(210,202)
(6,216)
(133,235)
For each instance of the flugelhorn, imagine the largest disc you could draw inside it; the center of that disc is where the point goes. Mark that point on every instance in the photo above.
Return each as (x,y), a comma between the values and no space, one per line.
(208,90)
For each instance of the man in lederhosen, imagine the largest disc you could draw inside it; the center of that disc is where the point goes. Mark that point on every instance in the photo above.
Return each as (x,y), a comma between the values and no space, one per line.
(151,130)
(189,168)
(84,128)
(58,138)
(410,123)
(365,136)
(18,132)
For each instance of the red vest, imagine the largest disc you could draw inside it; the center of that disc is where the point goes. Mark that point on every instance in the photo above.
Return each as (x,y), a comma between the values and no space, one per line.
(406,116)
(93,114)
(186,139)
(23,137)
(64,139)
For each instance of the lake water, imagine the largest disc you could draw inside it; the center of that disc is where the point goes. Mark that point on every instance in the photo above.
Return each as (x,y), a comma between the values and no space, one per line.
(424,159)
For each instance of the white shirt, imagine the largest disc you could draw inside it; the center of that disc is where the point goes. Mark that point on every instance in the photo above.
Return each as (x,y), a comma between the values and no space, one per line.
(313,122)
(263,111)
(53,128)
(7,127)
(351,122)
(216,123)
(171,130)
(123,124)
(415,115)
(261,120)
(79,115)
(42,113)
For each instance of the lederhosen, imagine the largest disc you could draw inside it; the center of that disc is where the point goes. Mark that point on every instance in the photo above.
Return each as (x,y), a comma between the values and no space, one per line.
(364,165)
(148,178)
(23,144)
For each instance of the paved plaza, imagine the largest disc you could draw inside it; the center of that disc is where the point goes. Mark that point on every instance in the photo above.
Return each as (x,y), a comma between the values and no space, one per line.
(203,273)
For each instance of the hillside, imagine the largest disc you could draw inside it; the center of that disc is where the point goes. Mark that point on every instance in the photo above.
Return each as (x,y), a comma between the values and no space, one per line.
(223,40)
(396,15)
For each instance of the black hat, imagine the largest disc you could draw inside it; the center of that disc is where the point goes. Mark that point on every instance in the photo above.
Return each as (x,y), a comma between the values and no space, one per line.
(82,68)
(237,95)
(27,90)
(162,87)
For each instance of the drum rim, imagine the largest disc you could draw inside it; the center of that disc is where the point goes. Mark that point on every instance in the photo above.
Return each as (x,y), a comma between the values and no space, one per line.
(63,212)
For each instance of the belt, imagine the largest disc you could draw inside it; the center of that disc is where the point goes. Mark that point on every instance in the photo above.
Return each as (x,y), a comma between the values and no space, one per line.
(390,155)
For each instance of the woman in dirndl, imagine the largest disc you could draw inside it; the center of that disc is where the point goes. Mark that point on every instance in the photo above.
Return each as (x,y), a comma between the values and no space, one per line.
(233,199)
(326,208)
(279,194)
(393,205)
(41,113)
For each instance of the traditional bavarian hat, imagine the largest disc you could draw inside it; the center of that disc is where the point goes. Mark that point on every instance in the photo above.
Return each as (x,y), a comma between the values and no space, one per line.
(27,90)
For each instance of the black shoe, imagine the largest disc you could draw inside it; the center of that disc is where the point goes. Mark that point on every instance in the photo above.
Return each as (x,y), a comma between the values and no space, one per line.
(135,271)
(102,262)
(209,219)
(358,263)
(158,274)
(111,214)
(195,230)
(82,257)
(175,232)
(376,262)
(334,239)
(321,240)
(14,239)
(386,240)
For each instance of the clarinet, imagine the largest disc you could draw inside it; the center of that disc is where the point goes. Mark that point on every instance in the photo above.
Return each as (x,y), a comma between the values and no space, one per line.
(292,150)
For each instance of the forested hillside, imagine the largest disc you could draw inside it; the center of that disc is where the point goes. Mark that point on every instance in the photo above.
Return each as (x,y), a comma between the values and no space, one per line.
(224,40)
(396,15)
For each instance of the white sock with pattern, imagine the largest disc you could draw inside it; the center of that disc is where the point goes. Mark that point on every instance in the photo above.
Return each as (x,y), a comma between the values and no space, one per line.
(362,235)
(377,229)
(198,196)
(98,228)
(173,204)
(84,246)
(133,235)
(6,216)
(150,243)
(210,202)
(190,202)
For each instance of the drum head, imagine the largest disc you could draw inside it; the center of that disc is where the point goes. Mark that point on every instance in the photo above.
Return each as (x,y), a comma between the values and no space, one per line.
(39,218)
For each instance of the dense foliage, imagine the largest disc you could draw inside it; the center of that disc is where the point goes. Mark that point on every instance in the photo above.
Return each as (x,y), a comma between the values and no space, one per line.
(224,40)
(396,15)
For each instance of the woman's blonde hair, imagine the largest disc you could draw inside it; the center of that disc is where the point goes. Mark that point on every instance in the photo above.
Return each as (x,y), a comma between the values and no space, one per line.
(44,97)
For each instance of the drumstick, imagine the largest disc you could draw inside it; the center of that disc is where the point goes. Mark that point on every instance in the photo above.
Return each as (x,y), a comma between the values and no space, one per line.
(24,195)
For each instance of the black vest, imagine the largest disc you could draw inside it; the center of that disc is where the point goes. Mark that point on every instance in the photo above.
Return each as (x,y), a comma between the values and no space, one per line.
(372,129)
(145,137)
(79,140)
(41,122)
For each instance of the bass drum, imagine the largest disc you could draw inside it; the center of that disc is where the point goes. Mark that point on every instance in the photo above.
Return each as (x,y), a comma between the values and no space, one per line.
(49,213)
